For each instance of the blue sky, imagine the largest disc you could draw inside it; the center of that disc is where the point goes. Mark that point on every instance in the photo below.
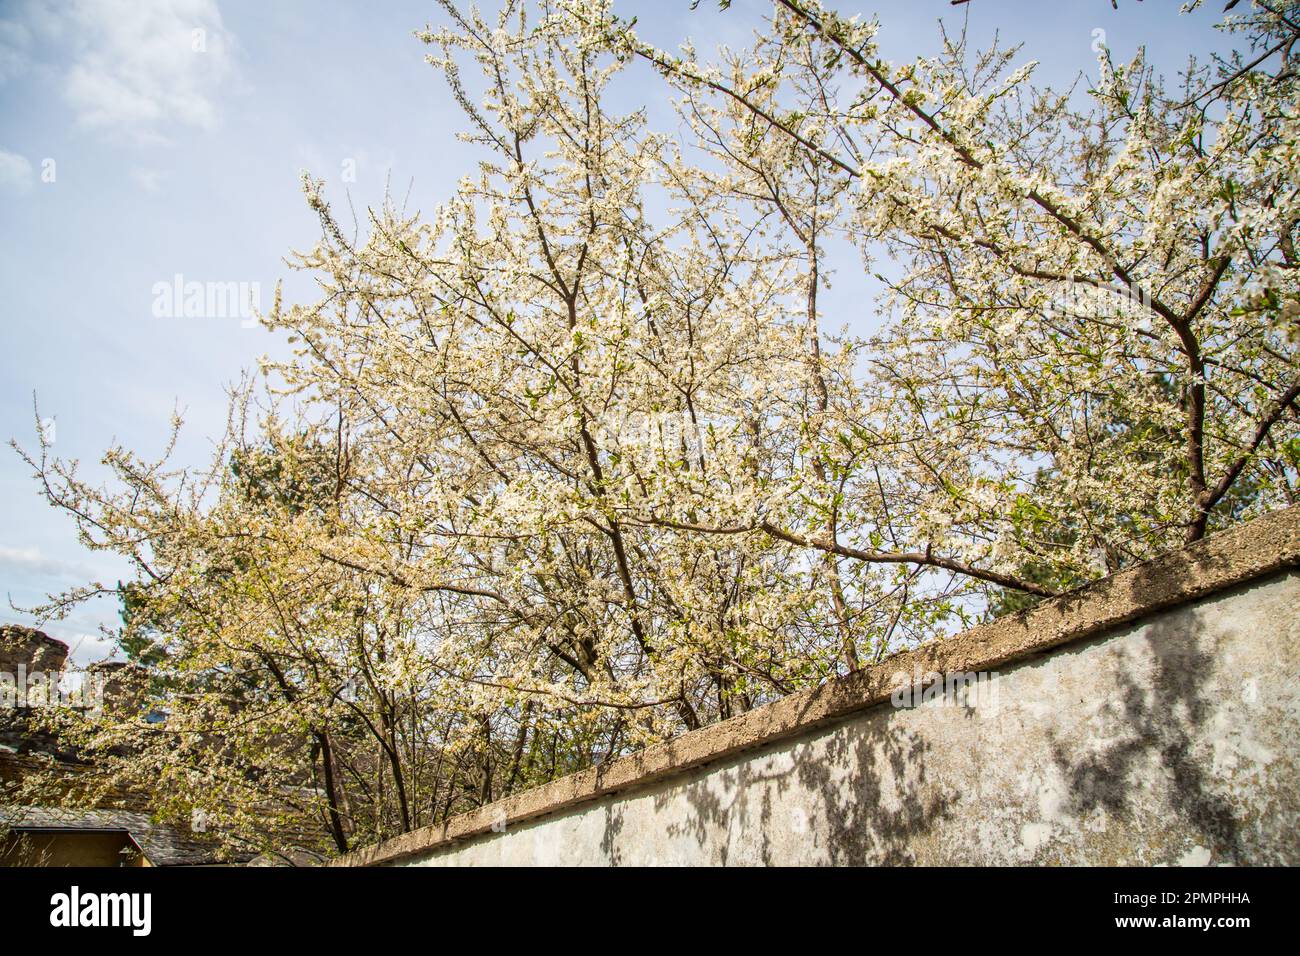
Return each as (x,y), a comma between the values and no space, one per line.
(129,156)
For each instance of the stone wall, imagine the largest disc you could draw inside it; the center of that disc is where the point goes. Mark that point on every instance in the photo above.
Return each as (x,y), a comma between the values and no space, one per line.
(33,650)
(1151,718)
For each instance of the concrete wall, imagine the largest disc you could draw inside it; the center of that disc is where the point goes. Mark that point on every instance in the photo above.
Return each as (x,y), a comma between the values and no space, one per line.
(1151,719)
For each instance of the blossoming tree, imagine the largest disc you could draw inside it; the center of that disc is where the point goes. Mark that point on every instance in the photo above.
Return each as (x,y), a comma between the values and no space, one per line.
(574,464)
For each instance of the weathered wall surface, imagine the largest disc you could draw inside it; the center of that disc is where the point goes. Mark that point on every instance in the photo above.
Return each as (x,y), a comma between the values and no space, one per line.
(1167,734)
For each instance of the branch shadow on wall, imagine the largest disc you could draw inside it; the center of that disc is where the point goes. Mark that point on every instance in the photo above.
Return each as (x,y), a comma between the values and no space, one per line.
(866,787)
(1161,708)
(839,777)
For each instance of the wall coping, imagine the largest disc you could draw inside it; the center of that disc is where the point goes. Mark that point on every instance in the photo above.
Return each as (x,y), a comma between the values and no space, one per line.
(1240,554)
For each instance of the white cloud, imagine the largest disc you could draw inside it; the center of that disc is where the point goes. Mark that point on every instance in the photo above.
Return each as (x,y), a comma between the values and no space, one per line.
(150,180)
(33,561)
(86,649)
(15,171)
(15,41)
(128,68)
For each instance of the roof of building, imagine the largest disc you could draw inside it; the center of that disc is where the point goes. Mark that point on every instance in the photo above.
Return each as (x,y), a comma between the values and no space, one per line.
(162,844)
(165,844)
